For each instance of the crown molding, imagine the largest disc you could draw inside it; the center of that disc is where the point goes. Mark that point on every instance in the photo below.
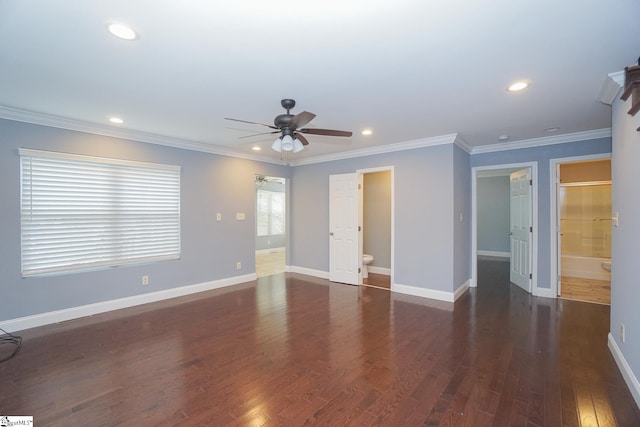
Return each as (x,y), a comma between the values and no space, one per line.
(380,149)
(611,87)
(105,130)
(460,142)
(547,140)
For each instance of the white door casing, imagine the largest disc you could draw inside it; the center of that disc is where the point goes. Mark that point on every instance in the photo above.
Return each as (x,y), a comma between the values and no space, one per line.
(521,228)
(343,229)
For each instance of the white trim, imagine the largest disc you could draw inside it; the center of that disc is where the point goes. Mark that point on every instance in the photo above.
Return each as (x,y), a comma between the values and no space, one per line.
(625,369)
(270,250)
(546,140)
(611,87)
(50,120)
(379,270)
(423,292)
(310,272)
(460,290)
(475,172)
(379,149)
(495,254)
(57,316)
(544,292)
(553,211)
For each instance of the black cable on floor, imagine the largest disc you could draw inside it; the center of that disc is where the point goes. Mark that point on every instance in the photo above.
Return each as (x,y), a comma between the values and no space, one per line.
(7,338)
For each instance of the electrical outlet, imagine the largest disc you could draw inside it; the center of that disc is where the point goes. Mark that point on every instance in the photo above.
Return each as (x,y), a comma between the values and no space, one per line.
(622,334)
(238,265)
(145,280)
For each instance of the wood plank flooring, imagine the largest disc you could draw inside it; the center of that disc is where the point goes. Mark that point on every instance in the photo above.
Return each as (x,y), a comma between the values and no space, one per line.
(378,280)
(294,350)
(587,290)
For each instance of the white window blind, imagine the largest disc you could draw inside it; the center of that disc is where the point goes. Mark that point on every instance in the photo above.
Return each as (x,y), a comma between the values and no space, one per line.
(80,212)
(270,213)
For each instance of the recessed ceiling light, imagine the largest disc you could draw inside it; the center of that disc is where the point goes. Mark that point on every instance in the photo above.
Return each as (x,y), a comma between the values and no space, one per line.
(122,31)
(367,132)
(553,129)
(116,120)
(503,137)
(518,86)
(256,148)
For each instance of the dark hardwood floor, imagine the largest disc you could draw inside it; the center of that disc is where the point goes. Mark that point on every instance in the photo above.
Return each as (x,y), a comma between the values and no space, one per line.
(295,350)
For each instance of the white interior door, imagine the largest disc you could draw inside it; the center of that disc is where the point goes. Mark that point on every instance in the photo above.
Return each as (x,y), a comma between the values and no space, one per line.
(521,228)
(343,228)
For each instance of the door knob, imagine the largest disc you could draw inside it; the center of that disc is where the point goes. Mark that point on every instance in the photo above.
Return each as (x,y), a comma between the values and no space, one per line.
(509,234)
(331,233)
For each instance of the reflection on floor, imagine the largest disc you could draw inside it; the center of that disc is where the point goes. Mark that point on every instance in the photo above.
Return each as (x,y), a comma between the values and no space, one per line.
(269,263)
(378,280)
(587,290)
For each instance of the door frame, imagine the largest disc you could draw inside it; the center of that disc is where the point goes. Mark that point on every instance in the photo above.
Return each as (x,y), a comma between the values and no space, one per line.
(360,173)
(534,220)
(554,181)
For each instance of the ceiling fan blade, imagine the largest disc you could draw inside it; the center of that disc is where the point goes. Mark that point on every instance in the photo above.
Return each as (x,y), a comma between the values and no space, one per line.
(301,119)
(251,123)
(301,138)
(327,132)
(258,134)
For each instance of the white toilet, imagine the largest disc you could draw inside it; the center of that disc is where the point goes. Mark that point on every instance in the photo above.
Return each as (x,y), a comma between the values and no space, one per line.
(366,260)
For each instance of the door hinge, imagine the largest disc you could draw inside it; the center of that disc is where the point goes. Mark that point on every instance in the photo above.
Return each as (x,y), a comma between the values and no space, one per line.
(359,270)
(530,229)
(530,182)
(530,275)
(359,228)
(359,186)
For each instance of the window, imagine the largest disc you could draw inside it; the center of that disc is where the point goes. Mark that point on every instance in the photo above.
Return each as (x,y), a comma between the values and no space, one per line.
(270,213)
(80,212)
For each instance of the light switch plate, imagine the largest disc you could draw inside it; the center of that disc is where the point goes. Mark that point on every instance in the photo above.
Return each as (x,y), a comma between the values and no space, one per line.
(240,216)
(218,216)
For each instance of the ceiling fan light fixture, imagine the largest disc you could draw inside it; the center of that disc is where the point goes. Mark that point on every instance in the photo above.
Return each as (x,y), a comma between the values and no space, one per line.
(277,145)
(287,143)
(297,146)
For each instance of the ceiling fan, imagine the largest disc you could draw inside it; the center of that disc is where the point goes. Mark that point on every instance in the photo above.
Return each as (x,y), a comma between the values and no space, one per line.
(291,130)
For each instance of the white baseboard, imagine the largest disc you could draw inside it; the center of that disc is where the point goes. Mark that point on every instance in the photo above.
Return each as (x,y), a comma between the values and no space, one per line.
(57,316)
(461,290)
(544,292)
(423,292)
(625,369)
(495,254)
(310,272)
(379,270)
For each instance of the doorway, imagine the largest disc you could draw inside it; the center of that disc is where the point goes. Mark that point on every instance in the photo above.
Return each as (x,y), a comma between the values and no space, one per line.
(496,241)
(376,228)
(346,223)
(583,218)
(270,234)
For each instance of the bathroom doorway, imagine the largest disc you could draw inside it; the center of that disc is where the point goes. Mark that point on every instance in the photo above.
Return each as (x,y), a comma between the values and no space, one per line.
(376,217)
(583,221)
(271,225)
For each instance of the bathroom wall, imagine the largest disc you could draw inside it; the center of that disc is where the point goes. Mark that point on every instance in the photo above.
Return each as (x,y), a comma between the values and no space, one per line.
(377,218)
(493,206)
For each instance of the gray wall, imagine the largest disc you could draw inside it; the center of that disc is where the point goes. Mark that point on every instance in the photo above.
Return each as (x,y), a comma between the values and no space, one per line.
(424,206)
(461,217)
(377,217)
(210,249)
(493,213)
(625,291)
(542,155)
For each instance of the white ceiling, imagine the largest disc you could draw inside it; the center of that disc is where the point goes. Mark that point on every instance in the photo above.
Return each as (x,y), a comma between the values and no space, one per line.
(408,69)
